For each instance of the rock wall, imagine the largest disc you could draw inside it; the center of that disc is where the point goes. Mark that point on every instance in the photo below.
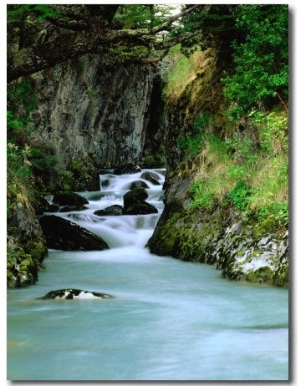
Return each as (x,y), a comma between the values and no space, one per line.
(89,110)
(223,237)
(26,247)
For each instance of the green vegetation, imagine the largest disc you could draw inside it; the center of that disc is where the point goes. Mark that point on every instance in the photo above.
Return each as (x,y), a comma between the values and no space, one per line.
(239,153)
(260,57)
(251,175)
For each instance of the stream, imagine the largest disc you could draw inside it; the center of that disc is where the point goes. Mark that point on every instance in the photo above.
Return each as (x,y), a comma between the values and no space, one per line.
(167,320)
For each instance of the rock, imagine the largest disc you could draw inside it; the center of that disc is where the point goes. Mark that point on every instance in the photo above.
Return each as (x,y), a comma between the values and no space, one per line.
(127,169)
(114,210)
(42,206)
(68,236)
(26,247)
(134,202)
(71,293)
(72,199)
(140,208)
(136,194)
(151,177)
(138,184)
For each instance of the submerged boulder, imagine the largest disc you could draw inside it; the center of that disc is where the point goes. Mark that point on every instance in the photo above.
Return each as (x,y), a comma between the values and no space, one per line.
(134,202)
(68,236)
(73,293)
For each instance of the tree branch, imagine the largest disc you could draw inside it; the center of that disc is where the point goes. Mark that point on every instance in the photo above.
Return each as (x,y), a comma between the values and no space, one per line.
(96,38)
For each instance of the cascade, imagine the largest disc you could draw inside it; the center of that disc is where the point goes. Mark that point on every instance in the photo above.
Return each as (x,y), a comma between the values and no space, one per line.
(119,230)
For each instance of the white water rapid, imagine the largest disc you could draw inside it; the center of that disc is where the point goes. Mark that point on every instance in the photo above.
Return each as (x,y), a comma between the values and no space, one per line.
(168,320)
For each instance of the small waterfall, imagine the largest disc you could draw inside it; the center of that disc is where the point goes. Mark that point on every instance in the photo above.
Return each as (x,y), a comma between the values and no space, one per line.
(120,230)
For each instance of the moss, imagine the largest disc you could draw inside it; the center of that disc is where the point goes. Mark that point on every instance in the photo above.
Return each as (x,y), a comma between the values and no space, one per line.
(37,250)
(268,225)
(23,262)
(281,277)
(189,236)
(261,275)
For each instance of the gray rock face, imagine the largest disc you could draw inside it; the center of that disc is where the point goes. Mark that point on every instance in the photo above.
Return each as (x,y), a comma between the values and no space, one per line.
(89,110)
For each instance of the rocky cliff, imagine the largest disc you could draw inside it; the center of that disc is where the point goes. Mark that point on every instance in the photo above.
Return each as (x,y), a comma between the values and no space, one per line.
(110,115)
(242,248)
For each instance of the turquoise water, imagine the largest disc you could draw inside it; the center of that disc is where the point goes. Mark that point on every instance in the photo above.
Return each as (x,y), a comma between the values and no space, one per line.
(168,320)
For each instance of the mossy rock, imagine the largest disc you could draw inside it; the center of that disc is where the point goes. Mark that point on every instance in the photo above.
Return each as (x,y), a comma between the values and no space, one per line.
(73,199)
(113,210)
(134,202)
(139,208)
(37,250)
(261,275)
(281,276)
(22,269)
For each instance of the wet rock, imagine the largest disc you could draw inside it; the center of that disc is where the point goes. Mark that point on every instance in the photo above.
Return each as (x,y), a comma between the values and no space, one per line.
(68,236)
(26,247)
(151,177)
(138,184)
(42,206)
(221,238)
(113,210)
(134,202)
(140,208)
(72,199)
(71,293)
(127,169)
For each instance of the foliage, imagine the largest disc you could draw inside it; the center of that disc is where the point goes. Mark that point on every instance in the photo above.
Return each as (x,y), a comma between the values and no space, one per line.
(17,13)
(180,70)
(277,211)
(202,196)
(240,195)
(209,25)
(19,177)
(193,143)
(142,16)
(260,57)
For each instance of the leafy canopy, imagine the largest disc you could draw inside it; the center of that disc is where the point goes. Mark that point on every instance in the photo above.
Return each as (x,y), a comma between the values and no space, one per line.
(260,57)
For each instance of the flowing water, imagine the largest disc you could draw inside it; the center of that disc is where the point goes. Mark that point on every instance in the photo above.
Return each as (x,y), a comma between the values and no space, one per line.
(168,319)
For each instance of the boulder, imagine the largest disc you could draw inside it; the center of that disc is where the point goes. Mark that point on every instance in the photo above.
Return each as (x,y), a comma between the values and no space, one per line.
(71,199)
(127,169)
(68,236)
(114,210)
(134,202)
(151,177)
(72,293)
(138,184)
(140,208)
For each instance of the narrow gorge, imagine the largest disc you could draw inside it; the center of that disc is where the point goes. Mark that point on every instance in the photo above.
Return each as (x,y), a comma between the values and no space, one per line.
(147,169)
(118,117)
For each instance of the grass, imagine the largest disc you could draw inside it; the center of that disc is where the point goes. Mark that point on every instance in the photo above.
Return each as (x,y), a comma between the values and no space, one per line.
(254,180)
